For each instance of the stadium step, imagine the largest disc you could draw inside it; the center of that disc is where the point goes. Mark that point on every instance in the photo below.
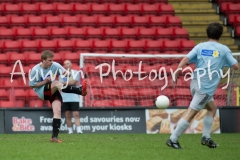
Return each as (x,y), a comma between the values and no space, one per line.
(189,11)
(196,16)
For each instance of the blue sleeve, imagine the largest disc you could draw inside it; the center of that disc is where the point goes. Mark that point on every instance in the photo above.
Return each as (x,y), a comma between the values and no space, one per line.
(59,67)
(192,55)
(230,60)
(33,79)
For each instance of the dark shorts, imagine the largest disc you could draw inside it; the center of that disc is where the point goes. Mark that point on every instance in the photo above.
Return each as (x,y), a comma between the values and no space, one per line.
(48,95)
(70,106)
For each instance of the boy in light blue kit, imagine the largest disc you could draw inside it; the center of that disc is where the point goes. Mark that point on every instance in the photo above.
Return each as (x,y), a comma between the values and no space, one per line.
(70,100)
(42,80)
(209,57)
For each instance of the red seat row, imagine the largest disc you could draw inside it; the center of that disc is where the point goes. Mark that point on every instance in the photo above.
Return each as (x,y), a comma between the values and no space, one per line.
(103,46)
(94,21)
(96,33)
(86,1)
(88,9)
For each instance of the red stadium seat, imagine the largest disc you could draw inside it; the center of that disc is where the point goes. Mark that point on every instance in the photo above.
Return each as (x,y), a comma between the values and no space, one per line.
(123,103)
(77,33)
(153,46)
(129,92)
(98,9)
(132,9)
(3,59)
(97,93)
(180,33)
(87,21)
(8,83)
(3,21)
(17,21)
(7,104)
(166,9)
(223,6)
(169,45)
(111,92)
(10,46)
(102,103)
(186,45)
(100,46)
(73,57)
(23,33)
(64,45)
(115,9)
(70,21)
(46,45)
(173,21)
(163,33)
(13,57)
(36,103)
(20,103)
(122,21)
(95,33)
(6,34)
(139,21)
(236,20)
(116,45)
(28,9)
(149,9)
(34,21)
(157,21)
(233,9)
(33,58)
(237,31)
(147,102)
(183,102)
(52,21)
(20,93)
(104,21)
(28,46)
(128,33)
(79,8)
(135,46)
(11,9)
(4,95)
(82,46)
(147,93)
(5,71)
(63,8)
(40,33)
(45,9)
(58,33)
(110,33)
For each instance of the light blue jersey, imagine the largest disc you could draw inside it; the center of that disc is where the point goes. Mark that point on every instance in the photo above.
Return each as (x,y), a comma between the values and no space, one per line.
(39,74)
(70,97)
(210,57)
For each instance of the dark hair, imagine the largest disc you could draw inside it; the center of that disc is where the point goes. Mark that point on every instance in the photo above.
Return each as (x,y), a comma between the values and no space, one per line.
(214,30)
(46,54)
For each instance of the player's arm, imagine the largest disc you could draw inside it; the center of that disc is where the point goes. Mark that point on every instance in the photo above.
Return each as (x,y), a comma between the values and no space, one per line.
(231,61)
(183,63)
(40,84)
(235,66)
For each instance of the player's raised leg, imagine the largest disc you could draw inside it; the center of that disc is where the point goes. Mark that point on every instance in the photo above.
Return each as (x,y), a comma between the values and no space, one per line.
(207,125)
(82,90)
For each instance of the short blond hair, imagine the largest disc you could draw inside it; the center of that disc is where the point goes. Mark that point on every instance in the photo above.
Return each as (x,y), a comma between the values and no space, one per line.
(46,54)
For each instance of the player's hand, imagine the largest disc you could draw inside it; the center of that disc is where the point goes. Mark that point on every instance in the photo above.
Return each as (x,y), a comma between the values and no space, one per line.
(48,79)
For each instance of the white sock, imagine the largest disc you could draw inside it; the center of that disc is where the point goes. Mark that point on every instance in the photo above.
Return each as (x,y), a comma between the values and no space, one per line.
(207,126)
(181,127)
(79,129)
(70,130)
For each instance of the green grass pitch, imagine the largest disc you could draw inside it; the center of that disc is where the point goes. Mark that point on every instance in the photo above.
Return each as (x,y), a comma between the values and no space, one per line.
(116,147)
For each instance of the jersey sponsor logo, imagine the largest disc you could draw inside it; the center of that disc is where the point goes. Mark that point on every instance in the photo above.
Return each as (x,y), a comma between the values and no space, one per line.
(210,53)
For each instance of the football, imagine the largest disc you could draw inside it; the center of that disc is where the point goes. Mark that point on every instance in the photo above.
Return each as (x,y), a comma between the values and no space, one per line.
(162,102)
